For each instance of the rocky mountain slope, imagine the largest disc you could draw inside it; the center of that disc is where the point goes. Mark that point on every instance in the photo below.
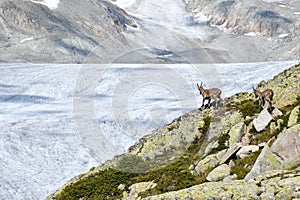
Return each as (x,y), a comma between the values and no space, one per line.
(239,150)
(70,33)
(98,31)
(273,19)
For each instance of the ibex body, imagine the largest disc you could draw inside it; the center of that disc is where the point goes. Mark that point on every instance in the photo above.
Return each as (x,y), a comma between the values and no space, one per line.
(208,94)
(266,95)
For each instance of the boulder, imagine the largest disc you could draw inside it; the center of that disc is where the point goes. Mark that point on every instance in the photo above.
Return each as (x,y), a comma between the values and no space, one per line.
(210,161)
(231,119)
(282,154)
(276,113)
(262,121)
(137,188)
(230,152)
(294,116)
(219,173)
(236,133)
(278,185)
(247,150)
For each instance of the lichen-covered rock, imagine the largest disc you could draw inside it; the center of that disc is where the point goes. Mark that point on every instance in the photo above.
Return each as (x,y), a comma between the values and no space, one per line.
(286,86)
(137,188)
(208,162)
(230,152)
(293,119)
(280,184)
(183,131)
(262,121)
(236,133)
(218,173)
(231,119)
(246,151)
(283,154)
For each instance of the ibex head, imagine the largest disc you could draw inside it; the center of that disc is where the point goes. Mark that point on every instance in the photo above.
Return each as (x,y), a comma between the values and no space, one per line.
(256,92)
(200,88)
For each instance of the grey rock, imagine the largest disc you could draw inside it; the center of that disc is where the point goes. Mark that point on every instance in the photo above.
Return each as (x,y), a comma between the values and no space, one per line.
(230,152)
(276,113)
(262,121)
(209,162)
(294,116)
(247,150)
(230,178)
(236,133)
(218,173)
(231,163)
(283,154)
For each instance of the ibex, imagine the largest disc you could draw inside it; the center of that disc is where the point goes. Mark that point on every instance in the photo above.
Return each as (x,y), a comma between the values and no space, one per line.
(208,94)
(266,95)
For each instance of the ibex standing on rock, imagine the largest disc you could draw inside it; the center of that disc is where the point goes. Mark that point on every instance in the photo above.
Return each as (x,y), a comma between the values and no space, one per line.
(208,94)
(266,95)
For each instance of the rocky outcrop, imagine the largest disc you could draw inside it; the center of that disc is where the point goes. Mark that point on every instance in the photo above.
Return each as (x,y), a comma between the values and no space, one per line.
(242,17)
(219,173)
(173,137)
(294,116)
(208,162)
(137,188)
(236,133)
(246,151)
(283,154)
(280,184)
(71,33)
(262,121)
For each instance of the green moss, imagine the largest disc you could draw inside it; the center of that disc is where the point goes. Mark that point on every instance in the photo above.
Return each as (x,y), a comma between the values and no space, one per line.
(132,163)
(174,176)
(249,108)
(222,144)
(102,185)
(243,166)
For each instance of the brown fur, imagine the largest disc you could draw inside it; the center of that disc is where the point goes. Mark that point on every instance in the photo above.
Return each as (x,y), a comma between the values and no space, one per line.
(266,95)
(208,94)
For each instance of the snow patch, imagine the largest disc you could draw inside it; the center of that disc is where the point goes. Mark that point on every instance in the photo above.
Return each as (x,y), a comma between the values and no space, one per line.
(252,34)
(26,39)
(51,4)
(282,6)
(284,35)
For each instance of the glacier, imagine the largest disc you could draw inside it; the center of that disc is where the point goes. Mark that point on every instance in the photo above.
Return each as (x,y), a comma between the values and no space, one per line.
(42,145)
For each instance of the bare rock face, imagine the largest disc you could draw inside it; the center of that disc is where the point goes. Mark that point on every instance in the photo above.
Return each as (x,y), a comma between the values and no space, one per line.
(262,121)
(243,17)
(209,162)
(247,150)
(283,154)
(294,116)
(276,20)
(72,32)
(218,173)
(276,113)
(236,133)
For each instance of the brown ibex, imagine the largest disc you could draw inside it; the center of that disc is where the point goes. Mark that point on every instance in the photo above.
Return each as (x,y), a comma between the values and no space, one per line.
(208,94)
(266,95)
